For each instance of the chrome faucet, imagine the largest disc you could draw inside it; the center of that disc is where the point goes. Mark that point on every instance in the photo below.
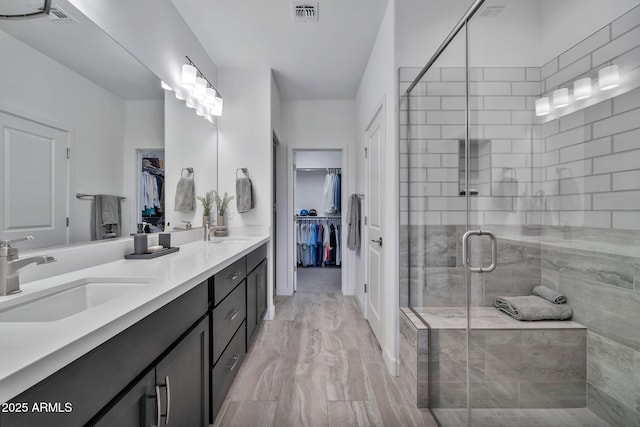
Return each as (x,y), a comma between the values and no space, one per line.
(10,265)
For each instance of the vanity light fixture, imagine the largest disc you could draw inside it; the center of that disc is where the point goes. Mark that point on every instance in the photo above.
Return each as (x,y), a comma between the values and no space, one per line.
(201,94)
(542,106)
(560,97)
(165,86)
(582,88)
(609,77)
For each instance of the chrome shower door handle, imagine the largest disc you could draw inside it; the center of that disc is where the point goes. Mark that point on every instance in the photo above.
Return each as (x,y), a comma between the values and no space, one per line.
(466,261)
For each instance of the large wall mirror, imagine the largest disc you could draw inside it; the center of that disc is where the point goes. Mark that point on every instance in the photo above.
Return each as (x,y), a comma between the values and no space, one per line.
(78,114)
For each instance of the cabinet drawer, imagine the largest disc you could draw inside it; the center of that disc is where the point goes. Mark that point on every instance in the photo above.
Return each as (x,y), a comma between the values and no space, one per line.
(226,280)
(225,371)
(226,318)
(255,257)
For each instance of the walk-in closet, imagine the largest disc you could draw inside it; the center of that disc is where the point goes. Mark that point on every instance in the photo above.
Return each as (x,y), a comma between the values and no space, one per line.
(318,220)
(151,190)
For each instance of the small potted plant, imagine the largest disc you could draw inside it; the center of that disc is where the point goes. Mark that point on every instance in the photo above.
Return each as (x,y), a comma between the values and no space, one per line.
(222,203)
(207,201)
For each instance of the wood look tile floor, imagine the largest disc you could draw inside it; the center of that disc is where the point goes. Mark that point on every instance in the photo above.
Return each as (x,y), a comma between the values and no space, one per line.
(317,364)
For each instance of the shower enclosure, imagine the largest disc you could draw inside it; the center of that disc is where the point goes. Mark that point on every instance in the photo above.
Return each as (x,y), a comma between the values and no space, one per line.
(516,172)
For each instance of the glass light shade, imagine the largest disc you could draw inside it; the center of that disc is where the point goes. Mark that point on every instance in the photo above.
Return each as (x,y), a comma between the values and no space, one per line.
(210,98)
(582,88)
(542,106)
(165,86)
(217,107)
(209,118)
(560,97)
(190,103)
(200,111)
(179,96)
(200,91)
(609,77)
(188,78)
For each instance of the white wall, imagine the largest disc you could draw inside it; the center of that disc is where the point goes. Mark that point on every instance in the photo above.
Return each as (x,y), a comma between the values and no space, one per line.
(93,117)
(143,129)
(318,159)
(379,85)
(190,142)
(317,125)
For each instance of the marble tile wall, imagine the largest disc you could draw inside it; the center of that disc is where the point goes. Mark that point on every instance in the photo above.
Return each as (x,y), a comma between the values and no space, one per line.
(414,357)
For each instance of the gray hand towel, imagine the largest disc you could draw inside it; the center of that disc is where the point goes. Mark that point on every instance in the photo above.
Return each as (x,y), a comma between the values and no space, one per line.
(244,194)
(185,192)
(353,221)
(106,217)
(549,294)
(533,307)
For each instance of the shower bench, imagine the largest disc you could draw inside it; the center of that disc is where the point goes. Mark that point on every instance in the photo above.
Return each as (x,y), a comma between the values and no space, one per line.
(513,364)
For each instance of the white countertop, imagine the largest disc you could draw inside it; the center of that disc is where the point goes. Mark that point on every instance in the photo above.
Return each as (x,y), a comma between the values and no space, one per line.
(30,351)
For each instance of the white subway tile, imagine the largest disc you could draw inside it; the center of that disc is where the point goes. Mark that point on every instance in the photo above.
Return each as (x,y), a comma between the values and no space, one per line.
(506,131)
(486,117)
(616,47)
(454,218)
(564,139)
(521,146)
(424,103)
(500,188)
(442,146)
(481,203)
(404,189)
(618,200)
(585,47)
(404,160)
(417,174)
(450,189)
(572,169)
(569,203)
(446,117)
(598,219)
(629,61)
(586,184)
(453,74)
(568,74)
(476,74)
(626,141)
(526,88)
(404,175)
(550,158)
(442,175)
(550,128)
(617,124)
(454,103)
(523,118)
(450,160)
(417,146)
(490,88)
(417,204)
(549,68)
(420,89)
(408,74)
(424,160)
(424,189)
(626,22)
(626,221)
(423,132)
(504,102)
(404,218)
(509,160)
(424,218)
(533,74)
(504,218)
(626,102)
(404,204)
(582,117)
(458,131)
(500,146)
(505,74)
(455,203)
(446,88)
(629,180)
(595,148)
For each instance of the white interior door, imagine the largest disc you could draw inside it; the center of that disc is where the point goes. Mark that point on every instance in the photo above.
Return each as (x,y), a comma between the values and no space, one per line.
(295,232)
(33,182)
(375,142)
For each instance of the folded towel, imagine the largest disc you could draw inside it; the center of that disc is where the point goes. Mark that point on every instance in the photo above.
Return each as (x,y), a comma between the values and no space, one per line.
(244,193)
(533,307)
(549,294)
(185,192)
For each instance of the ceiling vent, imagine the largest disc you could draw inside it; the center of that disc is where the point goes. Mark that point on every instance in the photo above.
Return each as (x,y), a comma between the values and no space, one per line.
(304,11)
(492,11)
(58,15)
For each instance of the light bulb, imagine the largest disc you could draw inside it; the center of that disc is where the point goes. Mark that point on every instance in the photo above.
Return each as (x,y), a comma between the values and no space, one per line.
(582,88)
(188,78)
(560,97)
(542,106)
(609,77)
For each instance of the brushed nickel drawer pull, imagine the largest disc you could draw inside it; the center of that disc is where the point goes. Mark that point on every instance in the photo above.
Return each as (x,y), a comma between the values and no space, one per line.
(234,276)
(234,361)
(233,314)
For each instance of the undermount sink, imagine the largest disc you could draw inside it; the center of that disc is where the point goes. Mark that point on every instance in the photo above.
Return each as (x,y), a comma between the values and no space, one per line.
(71,298)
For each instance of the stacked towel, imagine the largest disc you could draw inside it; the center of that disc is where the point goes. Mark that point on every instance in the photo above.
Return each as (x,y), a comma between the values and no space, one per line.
(549,294)
(244,193)
(533,307)
(185,192)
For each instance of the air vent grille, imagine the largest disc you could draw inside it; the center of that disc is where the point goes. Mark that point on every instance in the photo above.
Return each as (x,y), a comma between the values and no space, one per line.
(304,11)
(58,15)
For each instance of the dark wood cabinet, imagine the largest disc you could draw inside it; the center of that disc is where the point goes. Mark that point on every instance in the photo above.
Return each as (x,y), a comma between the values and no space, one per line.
(136,408)
(256,299)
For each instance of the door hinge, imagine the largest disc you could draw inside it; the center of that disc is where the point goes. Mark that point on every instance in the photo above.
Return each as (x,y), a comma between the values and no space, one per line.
(365,220)
(67,221)
(366,152)
(365,288)
(68,153)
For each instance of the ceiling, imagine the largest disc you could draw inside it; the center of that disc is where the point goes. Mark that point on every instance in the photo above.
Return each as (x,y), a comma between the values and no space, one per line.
(83,47)
(310,60)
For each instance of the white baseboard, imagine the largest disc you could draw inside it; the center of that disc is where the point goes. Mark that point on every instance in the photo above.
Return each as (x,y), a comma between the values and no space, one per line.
(391,362)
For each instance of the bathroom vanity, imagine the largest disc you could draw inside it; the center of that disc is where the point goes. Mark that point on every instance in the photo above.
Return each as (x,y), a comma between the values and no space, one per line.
(166,353)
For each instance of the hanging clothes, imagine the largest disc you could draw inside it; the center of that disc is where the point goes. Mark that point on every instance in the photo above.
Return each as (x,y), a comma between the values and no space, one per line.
(331,193)
(318,243)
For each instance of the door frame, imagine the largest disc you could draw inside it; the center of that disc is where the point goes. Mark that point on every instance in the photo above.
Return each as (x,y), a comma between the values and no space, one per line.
(291,234)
